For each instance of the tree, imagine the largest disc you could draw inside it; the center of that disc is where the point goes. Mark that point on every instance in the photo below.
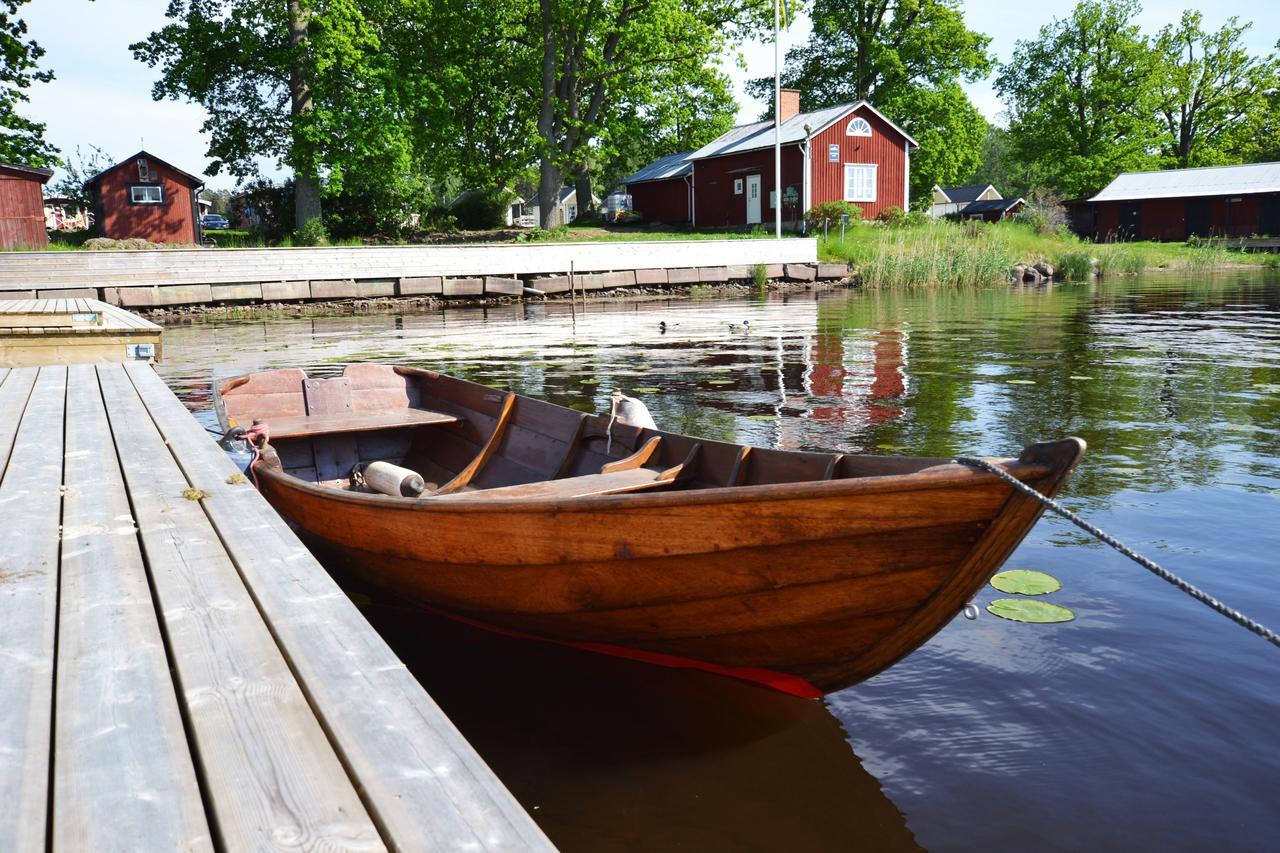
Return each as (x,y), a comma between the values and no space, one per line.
(1207,85)
(21,139)
(87,163)
(303,81)
(907,57)
(594,56)
(1079,97)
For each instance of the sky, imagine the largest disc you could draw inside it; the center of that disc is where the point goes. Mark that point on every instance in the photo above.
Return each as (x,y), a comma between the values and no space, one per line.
(102,96)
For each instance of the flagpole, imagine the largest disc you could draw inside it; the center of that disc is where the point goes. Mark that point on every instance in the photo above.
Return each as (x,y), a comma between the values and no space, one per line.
(777,126)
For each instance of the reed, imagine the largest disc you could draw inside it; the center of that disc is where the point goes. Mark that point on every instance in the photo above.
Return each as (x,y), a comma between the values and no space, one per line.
(935,255)
(1074,265)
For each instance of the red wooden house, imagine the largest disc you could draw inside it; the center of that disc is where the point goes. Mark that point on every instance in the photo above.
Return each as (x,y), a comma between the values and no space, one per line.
(148,198)
(22,207)
(850,152)
(1215,201)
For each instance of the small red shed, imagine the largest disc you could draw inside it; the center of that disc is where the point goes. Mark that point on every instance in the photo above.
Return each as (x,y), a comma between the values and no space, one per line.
(148,198)
(22,207)
(1174,204)
(850,152)
(663,190)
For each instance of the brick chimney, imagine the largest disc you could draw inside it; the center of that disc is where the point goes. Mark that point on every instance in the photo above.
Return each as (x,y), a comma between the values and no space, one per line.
(790,103)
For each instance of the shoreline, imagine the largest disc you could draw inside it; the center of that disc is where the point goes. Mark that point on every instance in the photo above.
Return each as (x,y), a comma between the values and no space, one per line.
(428,304)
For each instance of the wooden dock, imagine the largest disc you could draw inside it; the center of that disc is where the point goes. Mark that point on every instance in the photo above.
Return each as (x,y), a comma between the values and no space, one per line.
(178,672)
(74,331)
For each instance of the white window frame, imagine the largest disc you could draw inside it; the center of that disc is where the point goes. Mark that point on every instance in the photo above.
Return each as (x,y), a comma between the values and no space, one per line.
(852,194)
(737,186)
(858,126)
(134,195)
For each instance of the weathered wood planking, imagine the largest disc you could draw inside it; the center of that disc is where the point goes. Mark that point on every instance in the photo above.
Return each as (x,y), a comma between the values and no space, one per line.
(44,331)
(71,270)
(272,780)
(123,775)
(30,504)
(425,786)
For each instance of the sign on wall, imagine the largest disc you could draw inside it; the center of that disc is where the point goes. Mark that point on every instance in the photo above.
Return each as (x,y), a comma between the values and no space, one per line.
(833,153)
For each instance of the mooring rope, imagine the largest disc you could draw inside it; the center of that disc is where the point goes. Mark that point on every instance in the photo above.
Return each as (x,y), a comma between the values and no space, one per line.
(1150,565)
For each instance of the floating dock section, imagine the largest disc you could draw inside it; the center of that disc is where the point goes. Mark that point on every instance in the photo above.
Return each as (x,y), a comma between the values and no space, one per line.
(163,278)
(74,331)
(177,672)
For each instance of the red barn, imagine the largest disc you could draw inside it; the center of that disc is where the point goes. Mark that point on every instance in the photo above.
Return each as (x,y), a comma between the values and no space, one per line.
(849,152)
(22,207)
(148,198)
(1215,201)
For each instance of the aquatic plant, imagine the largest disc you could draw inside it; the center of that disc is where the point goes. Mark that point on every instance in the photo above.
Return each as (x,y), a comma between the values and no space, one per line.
(1074,266)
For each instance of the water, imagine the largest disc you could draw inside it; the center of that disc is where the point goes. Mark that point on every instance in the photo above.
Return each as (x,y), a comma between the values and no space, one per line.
(1149,722)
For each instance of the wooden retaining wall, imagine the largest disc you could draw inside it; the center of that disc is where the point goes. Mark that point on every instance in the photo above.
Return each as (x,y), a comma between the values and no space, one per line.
(137,279)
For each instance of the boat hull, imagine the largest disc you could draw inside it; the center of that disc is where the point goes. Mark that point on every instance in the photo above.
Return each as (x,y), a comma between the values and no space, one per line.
(824,582)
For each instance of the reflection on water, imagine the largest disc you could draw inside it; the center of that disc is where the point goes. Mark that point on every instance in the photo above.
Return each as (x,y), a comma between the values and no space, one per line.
(1148,722)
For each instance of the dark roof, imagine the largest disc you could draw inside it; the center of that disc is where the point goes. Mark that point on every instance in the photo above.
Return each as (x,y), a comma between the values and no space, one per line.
(34,171)
(195,182)
(990,205)
(968,192)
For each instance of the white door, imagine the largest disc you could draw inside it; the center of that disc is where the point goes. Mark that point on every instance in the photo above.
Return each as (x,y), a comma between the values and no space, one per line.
(753,199)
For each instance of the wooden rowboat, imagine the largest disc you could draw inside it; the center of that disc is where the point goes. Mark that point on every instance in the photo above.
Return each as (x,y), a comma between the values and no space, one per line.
(806,571)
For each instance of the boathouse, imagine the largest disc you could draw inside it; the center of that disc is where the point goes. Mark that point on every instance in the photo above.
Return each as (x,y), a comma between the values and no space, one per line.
(148,198)
(949,201)
(851,152)
(22,207)
(1215,201)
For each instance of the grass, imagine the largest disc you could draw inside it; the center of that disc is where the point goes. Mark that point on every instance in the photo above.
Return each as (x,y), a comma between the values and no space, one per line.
(944,253)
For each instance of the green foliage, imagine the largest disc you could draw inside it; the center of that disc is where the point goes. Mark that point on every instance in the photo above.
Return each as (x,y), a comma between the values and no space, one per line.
(1207,88)
(21,139)
(908,57)
(1074,265)
(1078,97)
(87,162)
(312,233)
(1025,610)
(826,214)
(1025,582)
(760,275)
(477,210)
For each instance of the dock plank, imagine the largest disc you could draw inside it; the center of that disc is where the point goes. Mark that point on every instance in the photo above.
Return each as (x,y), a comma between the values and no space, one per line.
(123,774)
(270,776)
(30,502)
(425,785)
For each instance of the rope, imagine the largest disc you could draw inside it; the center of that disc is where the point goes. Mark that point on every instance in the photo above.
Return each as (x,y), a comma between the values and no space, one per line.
(1150,565)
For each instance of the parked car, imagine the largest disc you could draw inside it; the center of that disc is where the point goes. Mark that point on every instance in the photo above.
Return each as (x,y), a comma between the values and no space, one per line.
(214,222)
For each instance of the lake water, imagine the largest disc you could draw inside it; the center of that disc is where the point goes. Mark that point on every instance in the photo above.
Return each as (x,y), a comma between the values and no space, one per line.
(1149,722)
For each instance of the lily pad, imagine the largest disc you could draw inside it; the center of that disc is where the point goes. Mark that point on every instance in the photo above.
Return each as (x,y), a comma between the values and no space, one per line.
(645,390)
(1028,610)
(720,381)
(1025,582)
(1079,378)
(762,417)
(1020,382)
(588,381)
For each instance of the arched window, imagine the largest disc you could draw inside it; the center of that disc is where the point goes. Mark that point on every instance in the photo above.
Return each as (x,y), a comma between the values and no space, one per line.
(858,127)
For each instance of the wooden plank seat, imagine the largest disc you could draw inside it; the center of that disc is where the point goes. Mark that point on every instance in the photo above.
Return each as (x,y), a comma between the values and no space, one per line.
(312,425)
(613,483)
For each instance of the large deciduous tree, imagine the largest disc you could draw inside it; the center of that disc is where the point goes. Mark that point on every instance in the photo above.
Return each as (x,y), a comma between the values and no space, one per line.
(21,139)
(1079,97)
(305,82)
(907,57)
(595,55)
(1207,86)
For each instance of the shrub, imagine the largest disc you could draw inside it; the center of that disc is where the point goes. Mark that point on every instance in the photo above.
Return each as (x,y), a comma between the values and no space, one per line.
(478,210)
(892,216)
(760,275)
(830,213)
(1044,212)
(312,233)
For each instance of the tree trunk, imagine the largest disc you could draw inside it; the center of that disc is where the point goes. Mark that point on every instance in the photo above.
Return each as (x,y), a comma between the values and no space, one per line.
(306,204)
(582,188)
(549,176)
